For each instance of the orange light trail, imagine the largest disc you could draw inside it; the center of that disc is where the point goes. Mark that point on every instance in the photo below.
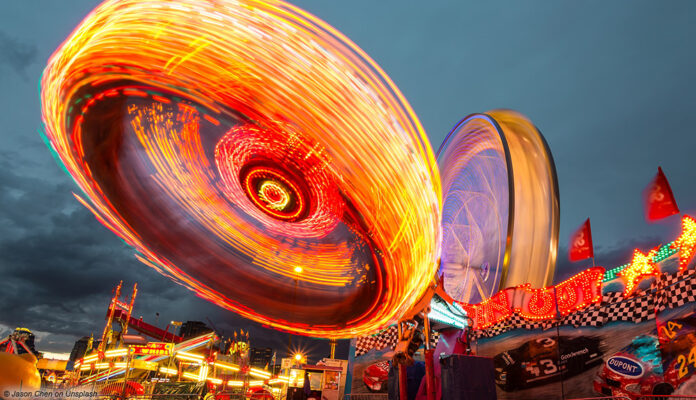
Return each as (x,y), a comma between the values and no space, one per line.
(234,143)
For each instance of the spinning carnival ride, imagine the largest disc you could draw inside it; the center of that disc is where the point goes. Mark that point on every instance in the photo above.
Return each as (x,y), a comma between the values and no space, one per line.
(255,155)
(501,213)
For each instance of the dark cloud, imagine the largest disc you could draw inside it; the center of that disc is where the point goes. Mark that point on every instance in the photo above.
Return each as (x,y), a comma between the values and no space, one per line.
(59,267)
(16,54)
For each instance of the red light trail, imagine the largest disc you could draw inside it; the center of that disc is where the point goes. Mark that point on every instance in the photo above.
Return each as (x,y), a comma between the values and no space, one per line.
(233,144)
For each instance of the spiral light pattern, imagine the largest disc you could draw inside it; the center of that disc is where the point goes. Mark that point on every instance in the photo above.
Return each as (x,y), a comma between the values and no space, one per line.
(230,142)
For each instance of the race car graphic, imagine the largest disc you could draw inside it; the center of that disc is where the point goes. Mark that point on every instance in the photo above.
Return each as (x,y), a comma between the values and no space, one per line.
(634,370)
(653,364)
(539,361)
(678,348)
(375,376)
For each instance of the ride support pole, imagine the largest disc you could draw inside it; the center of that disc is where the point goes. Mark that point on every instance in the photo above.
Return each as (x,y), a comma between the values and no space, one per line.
(403,383)
(429,363)
(430,374)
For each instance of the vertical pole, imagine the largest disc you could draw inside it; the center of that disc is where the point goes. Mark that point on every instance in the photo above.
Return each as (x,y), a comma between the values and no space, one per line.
(333,349)
(429,366)
(558,338)
(274,364)
(125,375)
(130,310)
(403,383)
(110,318)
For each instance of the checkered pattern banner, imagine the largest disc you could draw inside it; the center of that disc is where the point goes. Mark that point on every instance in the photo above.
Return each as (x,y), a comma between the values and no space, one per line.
(590,316)
(669,291)
(674,292)
(385,339)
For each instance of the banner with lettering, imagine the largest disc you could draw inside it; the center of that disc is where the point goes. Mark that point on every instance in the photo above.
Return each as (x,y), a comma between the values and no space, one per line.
(623,344)
(576,293)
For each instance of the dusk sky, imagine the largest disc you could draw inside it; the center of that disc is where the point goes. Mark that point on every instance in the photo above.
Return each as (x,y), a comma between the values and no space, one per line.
(610,84)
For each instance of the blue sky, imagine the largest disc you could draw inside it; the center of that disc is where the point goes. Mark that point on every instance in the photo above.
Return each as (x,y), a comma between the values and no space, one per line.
(610,84)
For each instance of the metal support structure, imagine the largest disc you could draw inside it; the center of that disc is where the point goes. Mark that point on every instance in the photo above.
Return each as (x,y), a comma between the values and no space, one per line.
(107,328)
(128,360)
(333,348)
(403,383)
(124,330)
(429,361)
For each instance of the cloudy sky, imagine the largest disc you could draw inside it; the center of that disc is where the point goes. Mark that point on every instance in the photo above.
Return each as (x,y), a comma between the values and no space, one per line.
(610,84)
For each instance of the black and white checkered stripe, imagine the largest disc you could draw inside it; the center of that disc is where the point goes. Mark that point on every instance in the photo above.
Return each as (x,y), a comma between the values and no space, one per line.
(385,339)
(673,292)
(669,291)
(590,316)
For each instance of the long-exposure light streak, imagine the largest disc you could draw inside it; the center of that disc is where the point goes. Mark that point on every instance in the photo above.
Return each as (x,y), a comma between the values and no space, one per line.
(232,142)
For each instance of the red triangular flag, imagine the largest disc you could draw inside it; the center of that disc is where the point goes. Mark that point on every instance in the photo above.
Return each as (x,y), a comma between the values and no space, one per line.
(658,198)
(581,243)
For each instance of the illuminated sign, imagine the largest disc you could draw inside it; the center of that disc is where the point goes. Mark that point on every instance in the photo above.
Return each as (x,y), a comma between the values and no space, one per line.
(146,365)
(153,349)
(568,296)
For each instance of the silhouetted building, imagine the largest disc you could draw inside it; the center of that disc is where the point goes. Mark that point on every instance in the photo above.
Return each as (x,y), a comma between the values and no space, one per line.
(260,357)
(191,329)
(80,348)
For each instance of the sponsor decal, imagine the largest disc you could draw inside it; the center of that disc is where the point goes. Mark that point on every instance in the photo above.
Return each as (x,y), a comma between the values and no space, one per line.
(574,354)
(625,366)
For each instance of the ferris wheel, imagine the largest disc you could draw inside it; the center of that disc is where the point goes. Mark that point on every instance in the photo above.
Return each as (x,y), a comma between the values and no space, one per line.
(500,210)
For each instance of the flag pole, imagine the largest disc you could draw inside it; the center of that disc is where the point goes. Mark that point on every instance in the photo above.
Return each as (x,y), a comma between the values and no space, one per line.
(558,335)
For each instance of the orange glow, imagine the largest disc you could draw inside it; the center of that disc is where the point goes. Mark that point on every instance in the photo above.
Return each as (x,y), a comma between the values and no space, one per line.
(686,242)
(188,98)
(641,266)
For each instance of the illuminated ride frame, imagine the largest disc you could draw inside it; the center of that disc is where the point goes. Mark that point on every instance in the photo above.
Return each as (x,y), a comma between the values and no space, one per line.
(121,361)
(14,343)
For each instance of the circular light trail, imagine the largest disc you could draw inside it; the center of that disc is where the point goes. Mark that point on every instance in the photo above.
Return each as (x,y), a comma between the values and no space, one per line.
(274,194)
(235,143)
(501,208)
(476,199)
